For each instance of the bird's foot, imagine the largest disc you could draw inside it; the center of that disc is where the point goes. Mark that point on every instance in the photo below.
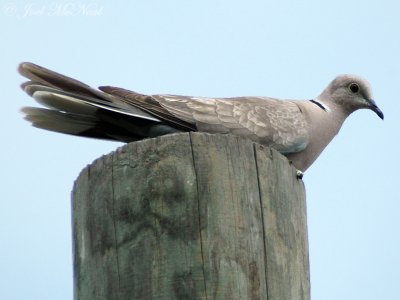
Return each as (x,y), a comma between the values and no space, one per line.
(299,174)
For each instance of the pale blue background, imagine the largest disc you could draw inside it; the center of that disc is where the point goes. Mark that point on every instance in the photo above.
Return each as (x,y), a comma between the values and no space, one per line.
(287,49)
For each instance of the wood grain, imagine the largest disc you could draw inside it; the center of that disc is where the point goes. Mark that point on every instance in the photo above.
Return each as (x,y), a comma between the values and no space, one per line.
(190,216)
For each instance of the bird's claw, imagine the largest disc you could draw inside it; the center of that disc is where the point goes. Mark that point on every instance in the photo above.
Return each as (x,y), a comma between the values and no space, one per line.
(299,174)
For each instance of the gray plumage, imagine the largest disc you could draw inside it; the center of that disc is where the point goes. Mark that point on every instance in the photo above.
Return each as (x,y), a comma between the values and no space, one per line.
(299,129)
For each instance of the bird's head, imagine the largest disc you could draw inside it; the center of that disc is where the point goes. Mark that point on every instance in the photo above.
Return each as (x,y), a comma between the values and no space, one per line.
(350,92)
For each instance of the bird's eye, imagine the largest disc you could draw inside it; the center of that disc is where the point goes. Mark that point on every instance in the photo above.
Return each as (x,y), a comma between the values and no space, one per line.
(354,87)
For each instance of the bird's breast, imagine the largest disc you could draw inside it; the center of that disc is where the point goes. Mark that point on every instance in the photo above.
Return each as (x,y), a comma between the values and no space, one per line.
(322,127)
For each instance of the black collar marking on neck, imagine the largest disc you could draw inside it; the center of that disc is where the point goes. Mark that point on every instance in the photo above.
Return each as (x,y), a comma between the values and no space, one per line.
(320,105)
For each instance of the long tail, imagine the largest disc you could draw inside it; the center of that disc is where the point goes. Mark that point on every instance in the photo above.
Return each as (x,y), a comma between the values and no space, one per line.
(73,107)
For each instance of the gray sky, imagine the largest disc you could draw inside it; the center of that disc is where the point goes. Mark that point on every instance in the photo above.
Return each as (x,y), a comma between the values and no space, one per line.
(284,49)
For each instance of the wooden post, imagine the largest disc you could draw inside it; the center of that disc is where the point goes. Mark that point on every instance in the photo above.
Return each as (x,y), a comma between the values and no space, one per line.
(190,216)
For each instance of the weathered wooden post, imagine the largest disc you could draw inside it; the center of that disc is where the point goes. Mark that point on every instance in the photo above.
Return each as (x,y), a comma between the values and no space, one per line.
(190,216)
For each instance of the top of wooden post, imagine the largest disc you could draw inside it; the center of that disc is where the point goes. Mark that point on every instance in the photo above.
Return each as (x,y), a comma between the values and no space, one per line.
(190,216)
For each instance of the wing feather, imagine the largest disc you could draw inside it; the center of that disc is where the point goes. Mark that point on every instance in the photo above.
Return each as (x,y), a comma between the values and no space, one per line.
(269,121)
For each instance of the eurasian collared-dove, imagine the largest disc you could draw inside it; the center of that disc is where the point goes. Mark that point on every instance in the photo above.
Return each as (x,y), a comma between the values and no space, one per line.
(298,129)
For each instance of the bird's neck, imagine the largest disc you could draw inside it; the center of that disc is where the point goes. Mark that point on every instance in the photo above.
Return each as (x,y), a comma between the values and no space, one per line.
(320,104)
(339,113)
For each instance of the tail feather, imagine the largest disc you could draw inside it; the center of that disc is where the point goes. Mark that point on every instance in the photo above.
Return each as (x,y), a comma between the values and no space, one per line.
(59,99)
(53,79)
(75,124)
(58,121)
(73,107)
(64,103)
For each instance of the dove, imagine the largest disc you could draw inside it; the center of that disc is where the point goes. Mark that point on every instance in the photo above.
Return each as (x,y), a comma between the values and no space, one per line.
(299,129)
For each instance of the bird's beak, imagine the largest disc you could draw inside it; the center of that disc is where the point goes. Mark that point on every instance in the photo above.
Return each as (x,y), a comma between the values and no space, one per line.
(375,108)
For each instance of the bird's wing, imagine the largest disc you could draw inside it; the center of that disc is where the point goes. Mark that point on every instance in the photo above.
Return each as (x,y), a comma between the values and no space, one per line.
(150,105)
(269,121)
